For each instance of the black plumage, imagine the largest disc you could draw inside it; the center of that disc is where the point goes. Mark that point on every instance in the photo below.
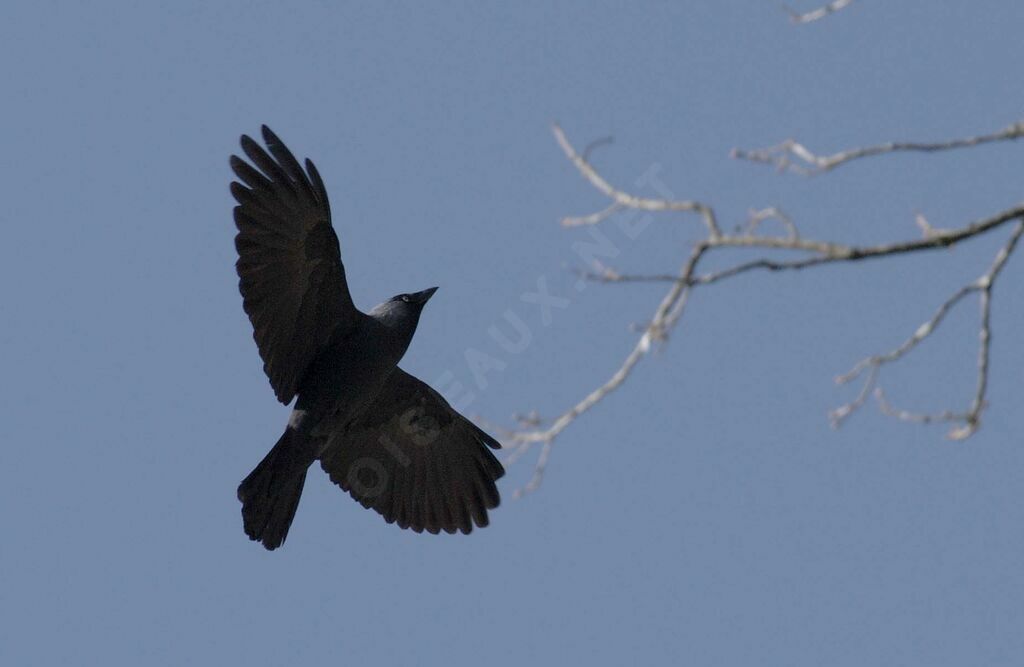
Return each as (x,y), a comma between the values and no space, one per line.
(384,436)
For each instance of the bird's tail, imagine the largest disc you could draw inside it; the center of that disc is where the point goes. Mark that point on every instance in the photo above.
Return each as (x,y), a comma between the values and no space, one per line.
(270,494)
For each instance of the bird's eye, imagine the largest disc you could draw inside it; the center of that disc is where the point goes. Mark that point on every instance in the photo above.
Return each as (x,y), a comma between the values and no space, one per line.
(405,298)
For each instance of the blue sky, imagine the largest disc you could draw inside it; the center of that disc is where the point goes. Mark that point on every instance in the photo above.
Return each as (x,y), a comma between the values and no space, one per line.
(705,514)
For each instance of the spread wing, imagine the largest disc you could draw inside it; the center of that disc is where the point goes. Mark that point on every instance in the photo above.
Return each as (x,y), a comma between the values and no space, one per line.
(289,263)
(416,461)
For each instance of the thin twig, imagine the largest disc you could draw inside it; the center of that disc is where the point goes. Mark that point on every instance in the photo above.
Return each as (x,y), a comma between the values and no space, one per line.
(621,199)
(888,409)
(791,155)
(838,415)
(816,14)
(757,216)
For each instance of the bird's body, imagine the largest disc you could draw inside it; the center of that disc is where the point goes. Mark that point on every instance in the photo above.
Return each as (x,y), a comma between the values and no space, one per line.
(387,438)
(343,380)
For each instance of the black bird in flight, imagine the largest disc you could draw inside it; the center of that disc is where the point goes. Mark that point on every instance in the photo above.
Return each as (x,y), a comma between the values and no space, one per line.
(388,439)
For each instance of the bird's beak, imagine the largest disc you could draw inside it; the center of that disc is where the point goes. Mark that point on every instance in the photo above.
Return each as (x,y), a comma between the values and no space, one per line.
(424,296)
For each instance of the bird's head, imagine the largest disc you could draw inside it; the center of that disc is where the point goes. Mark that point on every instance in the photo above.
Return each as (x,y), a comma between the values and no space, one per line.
(415,300)
(403,309)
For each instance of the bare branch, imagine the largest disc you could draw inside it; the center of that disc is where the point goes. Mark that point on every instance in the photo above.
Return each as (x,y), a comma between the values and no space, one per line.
(825,253)
(916,417)
(819,13)
(594,145)
(968,421)
(619,198)
(837,416)
(757,216)
(612,276)
(816,253)
(873,363)
(791,155)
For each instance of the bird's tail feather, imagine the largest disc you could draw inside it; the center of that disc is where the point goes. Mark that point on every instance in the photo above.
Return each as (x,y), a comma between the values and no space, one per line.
(270,494)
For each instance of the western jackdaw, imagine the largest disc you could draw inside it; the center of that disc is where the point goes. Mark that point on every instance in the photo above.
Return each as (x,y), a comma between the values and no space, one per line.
(389,440)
